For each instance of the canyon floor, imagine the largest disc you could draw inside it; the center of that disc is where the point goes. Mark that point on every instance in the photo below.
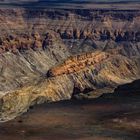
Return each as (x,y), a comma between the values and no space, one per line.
(104,118)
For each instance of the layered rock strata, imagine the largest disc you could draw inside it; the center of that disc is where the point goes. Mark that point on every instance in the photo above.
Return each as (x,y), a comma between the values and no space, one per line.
(114,70)
(38,63)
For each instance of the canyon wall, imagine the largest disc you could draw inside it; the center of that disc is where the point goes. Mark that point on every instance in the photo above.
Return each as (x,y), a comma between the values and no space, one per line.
(82,30)
(51,54)
(24,63)
(119,25)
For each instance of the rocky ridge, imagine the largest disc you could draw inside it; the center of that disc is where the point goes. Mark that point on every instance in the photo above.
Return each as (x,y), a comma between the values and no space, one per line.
(112,72)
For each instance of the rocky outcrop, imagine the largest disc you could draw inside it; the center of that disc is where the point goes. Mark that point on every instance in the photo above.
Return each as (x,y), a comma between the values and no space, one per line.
(15,43)
(79,62)
(115,35)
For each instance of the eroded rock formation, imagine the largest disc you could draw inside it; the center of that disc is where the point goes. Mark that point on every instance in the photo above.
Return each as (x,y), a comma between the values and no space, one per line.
(26,42)
(80,50)
(114,70)
(23,66)
(79,62)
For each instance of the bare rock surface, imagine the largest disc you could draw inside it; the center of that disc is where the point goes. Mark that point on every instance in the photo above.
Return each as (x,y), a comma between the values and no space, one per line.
(49,55)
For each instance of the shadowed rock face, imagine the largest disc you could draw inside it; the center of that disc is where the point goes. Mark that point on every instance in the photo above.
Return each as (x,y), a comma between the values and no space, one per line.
(129,89)
(46,54)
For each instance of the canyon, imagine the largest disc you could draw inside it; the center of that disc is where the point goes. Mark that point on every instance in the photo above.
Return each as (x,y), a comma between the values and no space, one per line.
(110,117)
(48,55)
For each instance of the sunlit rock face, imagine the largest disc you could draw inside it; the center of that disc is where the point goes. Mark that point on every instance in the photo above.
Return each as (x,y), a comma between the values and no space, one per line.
(48,55)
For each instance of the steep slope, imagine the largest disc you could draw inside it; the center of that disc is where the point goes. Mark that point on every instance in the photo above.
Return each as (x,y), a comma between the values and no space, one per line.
(113,71)
(23,63)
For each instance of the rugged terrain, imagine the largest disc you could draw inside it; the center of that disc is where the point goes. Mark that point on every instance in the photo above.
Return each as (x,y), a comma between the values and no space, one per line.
(114,116)
(54,54)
